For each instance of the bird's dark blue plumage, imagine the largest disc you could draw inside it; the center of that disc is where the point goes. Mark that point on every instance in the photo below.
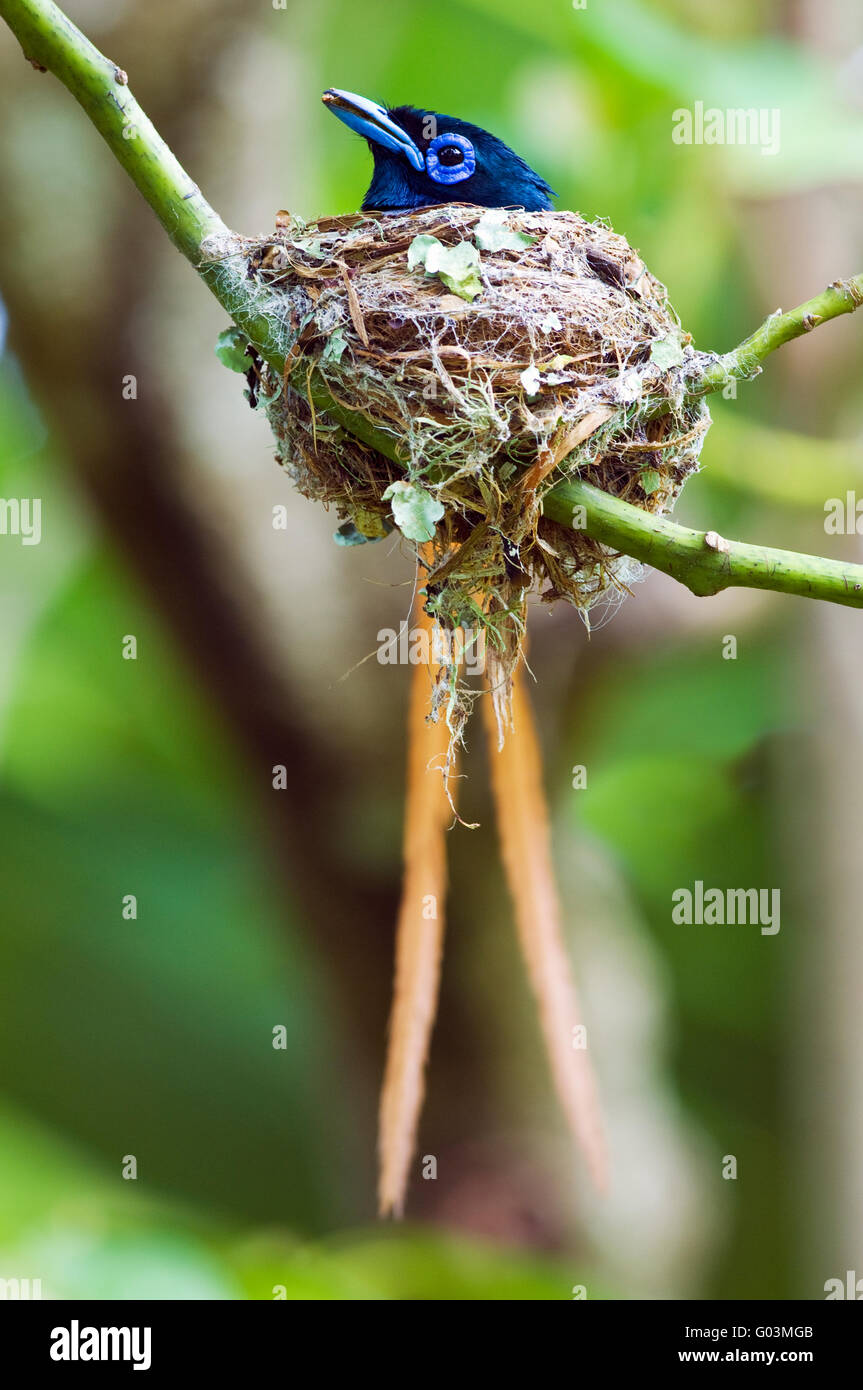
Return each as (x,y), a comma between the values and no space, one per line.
(422,158)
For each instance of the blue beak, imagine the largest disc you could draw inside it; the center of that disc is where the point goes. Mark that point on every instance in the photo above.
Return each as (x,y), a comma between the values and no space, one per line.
(371,121)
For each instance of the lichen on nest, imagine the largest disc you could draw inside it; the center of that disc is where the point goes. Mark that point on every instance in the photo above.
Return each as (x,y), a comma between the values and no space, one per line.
(502,353)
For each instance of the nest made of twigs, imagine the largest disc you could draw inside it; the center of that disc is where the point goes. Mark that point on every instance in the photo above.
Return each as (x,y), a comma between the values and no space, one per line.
(564,360)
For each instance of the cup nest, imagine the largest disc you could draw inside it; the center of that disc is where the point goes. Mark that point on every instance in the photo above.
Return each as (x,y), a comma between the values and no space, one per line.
(498,355)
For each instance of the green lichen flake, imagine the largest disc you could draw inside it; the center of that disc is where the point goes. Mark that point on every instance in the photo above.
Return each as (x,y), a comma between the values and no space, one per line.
(667,352)
(415,511)
(366,526)
(231,347)
(456,266)
(492,233)
(335,346)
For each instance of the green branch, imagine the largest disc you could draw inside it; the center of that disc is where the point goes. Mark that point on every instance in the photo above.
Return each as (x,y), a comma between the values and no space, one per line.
(703,562)
(744,362)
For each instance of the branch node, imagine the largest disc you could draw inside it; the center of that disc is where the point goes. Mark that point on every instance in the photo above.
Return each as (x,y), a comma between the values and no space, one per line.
(850,287)
(714,541)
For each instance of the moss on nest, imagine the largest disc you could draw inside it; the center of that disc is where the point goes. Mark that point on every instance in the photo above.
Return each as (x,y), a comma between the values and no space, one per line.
(504,352)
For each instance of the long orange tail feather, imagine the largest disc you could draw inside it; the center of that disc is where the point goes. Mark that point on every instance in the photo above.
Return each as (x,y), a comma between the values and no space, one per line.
(419,941)
(516,775)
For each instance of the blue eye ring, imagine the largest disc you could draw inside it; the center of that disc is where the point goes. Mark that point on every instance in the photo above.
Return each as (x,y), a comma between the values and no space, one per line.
(450,173)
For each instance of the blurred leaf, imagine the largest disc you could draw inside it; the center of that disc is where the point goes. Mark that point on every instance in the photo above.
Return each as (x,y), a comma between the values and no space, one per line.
(780,465)
(667,795)
(124,786)
(689,702)
(408,1264)
(86,1235)
(22,430)
(821,133)
(657,810)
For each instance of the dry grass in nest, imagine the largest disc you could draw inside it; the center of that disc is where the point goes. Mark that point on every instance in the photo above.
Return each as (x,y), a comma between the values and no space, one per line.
(553,370)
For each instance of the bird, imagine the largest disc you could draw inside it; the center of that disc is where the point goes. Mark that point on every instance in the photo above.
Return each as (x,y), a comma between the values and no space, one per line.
(422,159)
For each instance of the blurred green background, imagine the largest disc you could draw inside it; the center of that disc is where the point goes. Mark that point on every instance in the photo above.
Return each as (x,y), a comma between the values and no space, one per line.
(152,1036)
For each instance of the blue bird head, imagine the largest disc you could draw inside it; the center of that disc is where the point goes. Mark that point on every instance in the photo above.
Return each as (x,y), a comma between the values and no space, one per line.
(422,158)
